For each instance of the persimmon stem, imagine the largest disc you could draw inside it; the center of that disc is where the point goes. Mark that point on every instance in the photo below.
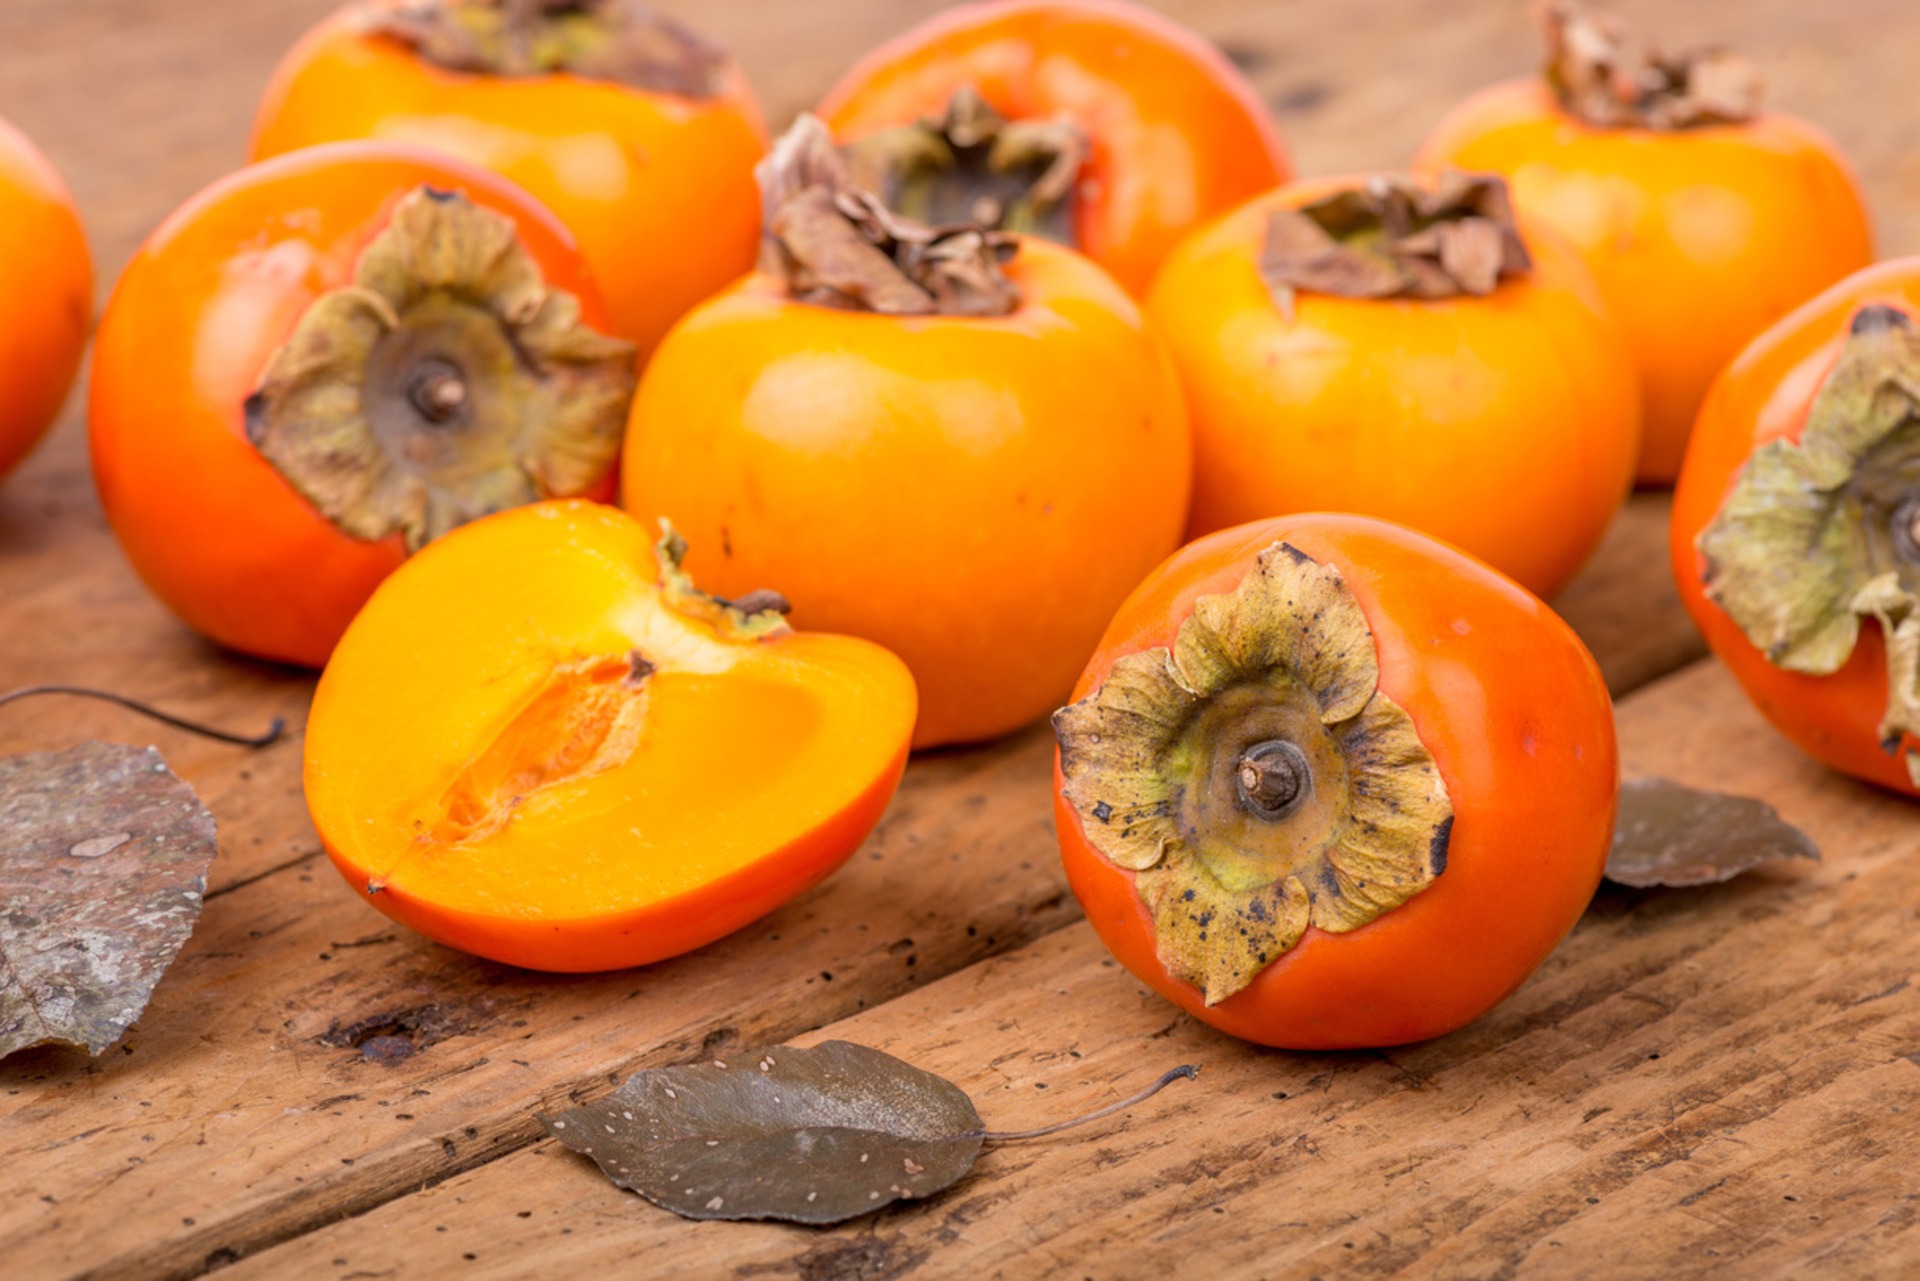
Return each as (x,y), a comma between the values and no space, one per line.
(274,731)
(1186,1070)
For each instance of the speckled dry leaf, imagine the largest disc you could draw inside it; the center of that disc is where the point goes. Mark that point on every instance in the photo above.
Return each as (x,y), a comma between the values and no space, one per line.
(808,1135)
(103,859)
(1669,834)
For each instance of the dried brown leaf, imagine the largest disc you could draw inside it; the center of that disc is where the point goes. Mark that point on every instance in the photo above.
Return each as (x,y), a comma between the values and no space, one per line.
(1598,81)
(1670,834)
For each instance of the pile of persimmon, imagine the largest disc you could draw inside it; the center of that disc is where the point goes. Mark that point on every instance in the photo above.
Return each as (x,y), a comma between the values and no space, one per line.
(964,445)
(49,302)
(1703,218)
(325,361)
(1405,350)
(640,134)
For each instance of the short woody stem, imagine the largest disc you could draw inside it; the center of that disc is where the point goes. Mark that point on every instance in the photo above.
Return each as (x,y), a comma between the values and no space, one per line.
(437,391)
(1273,777)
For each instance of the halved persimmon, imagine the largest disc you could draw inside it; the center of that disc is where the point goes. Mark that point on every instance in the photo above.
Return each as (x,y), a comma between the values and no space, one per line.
(540,744)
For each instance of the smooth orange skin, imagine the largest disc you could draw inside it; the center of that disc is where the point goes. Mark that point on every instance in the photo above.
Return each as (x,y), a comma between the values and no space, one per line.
(1517,718)
(1506,425)
(1764,395)
(1700,238)
(559,577)
(658,189)
(1177,134)
(975,494)
(43,327)
(211,528)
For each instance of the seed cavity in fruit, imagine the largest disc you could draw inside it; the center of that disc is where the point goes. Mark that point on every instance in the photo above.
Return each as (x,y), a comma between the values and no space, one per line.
(1254,777)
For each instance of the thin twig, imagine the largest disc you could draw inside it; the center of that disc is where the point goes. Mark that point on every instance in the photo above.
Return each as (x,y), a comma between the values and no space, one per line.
(272,735)
(1186,1070)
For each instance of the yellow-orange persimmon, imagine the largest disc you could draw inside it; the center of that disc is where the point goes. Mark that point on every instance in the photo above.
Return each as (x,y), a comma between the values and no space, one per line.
(49,302)
(1161,131)
(639,134)
(1704,222)
(539,743)
(323,361)
(1328,783)
(1502,419)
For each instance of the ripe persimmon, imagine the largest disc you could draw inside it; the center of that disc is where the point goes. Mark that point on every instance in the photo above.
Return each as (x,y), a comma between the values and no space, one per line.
(1704,219)
(322,362)
(1096,123)
(961,445)
(540,744)
(49,306)
(1404,351)
(1796,524)
(1328,783)
(638,133)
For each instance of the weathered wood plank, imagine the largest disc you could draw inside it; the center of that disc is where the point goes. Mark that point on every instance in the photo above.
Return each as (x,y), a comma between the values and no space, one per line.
(1696,1081)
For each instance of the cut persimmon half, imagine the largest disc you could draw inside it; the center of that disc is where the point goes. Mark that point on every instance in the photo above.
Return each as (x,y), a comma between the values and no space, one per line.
(541,744)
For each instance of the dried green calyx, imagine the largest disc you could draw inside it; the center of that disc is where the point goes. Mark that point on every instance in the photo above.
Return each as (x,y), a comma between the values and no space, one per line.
(753,616)
(623,41)
(446,382)
(1395,237)
(1254,778)
(974,165)
(1597,82)
(836,244)
(1815,536)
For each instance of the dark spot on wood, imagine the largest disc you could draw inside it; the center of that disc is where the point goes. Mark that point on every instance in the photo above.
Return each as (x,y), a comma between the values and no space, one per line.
(1307,96)
(873,1258)
(1248,57)
(395,1034)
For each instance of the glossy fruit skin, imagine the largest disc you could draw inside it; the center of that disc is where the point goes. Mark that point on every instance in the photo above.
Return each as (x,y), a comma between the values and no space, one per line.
(1177,134)
(975,494)
(1764,395)
(211,528)
(1700,238)
(1514,712)
(657,189)
(1506,425)
(409,688)
(49,275)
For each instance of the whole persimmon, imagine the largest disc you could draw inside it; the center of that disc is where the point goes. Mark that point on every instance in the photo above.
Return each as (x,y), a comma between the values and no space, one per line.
(324,361)
(49,306)
(541,744)
(1403,350)
(1796,525)
(1095,123)
(640,134)
(962,445)
(1704,219)
(1328,783)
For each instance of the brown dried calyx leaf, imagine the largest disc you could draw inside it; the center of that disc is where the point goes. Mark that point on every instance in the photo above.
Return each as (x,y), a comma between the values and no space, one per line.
(1597,82)
(446,382)
(754,616)
(817,1135)
(1396,237)
(1255,778)
(837,244)
(1815,536)
(1668,834)
(972,165)
(623,41)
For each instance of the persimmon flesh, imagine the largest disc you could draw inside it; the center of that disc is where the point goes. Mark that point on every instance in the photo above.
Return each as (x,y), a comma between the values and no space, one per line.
(540,745)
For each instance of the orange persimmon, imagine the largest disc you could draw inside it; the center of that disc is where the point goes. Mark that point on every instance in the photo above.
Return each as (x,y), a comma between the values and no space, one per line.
(1703,219)
(1796,524)
(638,133)
(540,744)
(325,360)
(43,326)
(1331,371)
(1328,783)
(1122,128)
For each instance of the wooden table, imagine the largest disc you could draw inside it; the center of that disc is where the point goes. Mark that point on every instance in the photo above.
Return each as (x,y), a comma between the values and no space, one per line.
(1719,1079)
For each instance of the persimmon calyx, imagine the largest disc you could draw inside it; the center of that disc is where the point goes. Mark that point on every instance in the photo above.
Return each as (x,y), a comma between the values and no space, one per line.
(623,41)
(446,382)
(836,244)
(1815,536)
(1394,237)
(1254,777)
(754,616)
(1598,83)
(972,164)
